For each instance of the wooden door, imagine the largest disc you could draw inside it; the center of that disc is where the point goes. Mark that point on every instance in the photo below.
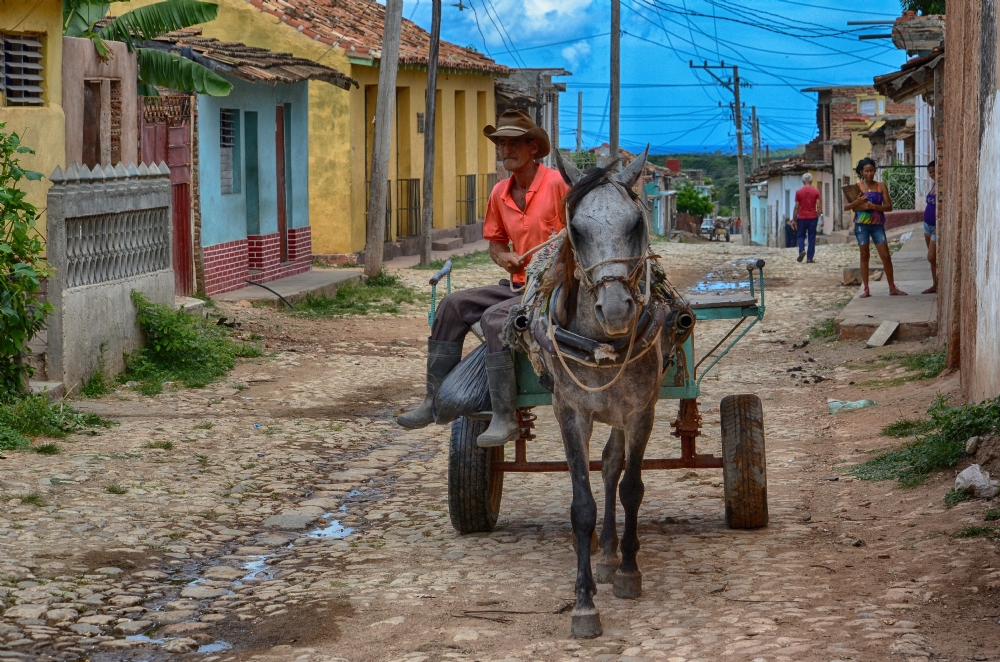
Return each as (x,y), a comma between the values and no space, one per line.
(279,149)
(165,136)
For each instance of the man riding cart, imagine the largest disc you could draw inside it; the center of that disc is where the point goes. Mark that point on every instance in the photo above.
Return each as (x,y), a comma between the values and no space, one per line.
(523,210)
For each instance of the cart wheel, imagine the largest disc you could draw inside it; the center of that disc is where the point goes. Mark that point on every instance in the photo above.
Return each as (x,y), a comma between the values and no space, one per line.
(744,471)
(474,491)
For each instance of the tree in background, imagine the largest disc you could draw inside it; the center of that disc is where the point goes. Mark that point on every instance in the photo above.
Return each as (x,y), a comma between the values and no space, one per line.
(690,201)
(923,7)
(156,68)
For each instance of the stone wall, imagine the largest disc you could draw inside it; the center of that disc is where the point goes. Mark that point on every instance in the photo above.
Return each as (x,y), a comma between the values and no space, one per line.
(109,233)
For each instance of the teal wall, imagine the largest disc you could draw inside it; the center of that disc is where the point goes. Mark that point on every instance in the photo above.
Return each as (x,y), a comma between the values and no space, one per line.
(227,217)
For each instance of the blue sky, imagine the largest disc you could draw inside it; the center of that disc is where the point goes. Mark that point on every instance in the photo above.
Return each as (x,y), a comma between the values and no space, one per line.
(781,46)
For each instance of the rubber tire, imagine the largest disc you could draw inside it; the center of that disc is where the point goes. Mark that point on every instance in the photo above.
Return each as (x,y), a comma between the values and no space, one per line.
(744,466)
(474,492)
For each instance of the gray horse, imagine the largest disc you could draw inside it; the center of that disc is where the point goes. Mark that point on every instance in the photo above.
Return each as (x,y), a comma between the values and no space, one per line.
(600,298)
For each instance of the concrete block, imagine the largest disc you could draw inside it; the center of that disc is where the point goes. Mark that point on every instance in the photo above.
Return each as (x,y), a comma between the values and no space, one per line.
(882,334)
(54,390)
(189,304)
(447,244)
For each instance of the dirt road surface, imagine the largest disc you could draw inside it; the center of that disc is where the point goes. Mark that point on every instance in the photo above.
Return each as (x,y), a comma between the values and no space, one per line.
(282,515)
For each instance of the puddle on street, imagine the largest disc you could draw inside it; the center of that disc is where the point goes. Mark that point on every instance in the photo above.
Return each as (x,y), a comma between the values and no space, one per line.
(215,647)
(333,530)
(257,567)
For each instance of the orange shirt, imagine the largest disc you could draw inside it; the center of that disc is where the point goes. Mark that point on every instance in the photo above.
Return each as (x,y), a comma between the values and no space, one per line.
(506,224)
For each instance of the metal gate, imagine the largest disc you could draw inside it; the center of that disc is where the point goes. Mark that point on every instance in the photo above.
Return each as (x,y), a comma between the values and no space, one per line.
(165,135)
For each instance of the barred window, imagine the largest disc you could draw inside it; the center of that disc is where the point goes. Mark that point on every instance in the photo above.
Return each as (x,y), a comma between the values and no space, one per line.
(229,150)
(21,81)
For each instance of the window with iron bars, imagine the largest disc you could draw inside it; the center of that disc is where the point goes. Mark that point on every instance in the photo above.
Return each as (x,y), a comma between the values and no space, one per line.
(486,183)
(408,213)
(229,157)
(466,202)
(21,82)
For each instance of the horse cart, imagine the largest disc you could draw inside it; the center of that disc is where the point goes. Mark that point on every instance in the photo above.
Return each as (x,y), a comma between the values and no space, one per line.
(475,475)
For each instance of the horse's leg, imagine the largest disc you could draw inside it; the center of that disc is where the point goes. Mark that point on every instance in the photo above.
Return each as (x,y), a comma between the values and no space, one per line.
(611,471)
(628,579)
(576,430)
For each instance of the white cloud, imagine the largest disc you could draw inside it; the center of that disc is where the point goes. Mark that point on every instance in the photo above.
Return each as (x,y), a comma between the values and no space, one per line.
(575,53)
(530,20)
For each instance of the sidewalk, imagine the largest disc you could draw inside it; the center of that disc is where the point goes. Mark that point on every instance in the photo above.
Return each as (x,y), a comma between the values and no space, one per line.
(916,313)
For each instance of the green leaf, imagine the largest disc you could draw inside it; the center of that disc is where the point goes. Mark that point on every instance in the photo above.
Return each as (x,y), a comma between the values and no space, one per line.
(149,22)
(25,150)
(147,90)
(79,16)
(179,73)
(32,175)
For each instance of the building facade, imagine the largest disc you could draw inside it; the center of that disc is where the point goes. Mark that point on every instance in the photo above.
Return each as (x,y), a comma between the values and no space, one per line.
(31,98)
(347,36)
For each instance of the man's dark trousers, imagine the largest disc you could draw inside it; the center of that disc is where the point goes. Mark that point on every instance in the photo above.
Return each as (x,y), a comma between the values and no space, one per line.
(807,228)
(460,310)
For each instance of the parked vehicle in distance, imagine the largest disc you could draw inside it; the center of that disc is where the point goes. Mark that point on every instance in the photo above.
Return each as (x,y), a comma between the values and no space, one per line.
(707,226)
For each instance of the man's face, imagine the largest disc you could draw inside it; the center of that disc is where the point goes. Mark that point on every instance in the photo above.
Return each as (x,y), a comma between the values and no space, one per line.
(516,152)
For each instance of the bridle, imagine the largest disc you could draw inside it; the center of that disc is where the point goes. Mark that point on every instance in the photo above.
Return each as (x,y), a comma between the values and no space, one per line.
(631,281)
(634,277)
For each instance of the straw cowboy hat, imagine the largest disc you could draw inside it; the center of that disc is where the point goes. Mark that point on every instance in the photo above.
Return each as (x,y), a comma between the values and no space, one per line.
(517,123)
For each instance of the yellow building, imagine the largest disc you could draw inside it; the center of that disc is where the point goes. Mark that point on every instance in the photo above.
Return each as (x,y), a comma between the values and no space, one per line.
(31,88)
(347,36)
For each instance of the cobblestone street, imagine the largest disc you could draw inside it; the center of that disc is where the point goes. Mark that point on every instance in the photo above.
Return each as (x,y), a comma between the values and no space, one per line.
(282,515)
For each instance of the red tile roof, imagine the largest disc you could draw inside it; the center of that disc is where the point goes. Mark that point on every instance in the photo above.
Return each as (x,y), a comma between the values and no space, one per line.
(257,65)
(356,26)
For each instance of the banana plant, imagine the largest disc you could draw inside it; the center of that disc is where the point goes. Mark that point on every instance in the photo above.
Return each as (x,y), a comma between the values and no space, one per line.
(156,67)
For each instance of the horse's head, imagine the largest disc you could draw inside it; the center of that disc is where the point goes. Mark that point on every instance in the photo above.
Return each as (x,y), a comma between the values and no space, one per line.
(608,232)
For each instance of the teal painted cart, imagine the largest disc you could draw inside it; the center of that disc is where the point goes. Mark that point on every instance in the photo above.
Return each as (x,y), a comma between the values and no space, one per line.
(475,475)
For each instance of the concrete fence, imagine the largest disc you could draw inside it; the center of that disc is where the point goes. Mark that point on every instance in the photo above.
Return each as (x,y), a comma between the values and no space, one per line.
(109,233)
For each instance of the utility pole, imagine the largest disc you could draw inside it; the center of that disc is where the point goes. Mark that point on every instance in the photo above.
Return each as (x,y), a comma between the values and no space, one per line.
(755,146)
(384,103)
(579,122)
(616,79)
(733,85)
(430,122)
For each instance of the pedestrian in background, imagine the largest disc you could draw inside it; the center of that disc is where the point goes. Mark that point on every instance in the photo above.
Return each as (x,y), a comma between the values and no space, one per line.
(930,227)
(805,217)
(869,223)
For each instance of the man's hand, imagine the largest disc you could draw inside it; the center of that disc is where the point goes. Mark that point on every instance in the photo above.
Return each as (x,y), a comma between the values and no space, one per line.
(510,262)
(505,258)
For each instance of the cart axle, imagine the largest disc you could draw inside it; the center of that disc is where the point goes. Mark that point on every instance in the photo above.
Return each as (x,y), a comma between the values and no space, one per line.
(696,462)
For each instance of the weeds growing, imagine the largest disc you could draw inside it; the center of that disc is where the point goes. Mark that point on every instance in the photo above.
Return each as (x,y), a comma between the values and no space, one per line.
(47,449)
(180,347)
(382,293)
(954,497)
(976,532)
(162,445)
(36,499)
(824,329)
(906,427)
(992,514)
(115,488)
(36,416)
(940,447)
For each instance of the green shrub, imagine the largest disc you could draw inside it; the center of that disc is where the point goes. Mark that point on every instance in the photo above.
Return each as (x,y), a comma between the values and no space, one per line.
(992,514)
(976,532)
(115,488)
(940,448)
(22,268)
(180,347)
(35,416)
(824,329)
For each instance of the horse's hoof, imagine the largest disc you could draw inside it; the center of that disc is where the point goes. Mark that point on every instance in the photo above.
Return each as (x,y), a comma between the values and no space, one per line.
(628,585)
(605,572)
(586,624)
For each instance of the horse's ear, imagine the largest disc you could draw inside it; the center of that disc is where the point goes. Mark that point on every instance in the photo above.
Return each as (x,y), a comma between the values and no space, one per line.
(630,175)
(569,171)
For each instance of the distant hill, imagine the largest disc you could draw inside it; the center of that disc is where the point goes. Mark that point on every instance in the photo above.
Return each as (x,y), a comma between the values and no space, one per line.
(720,167)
